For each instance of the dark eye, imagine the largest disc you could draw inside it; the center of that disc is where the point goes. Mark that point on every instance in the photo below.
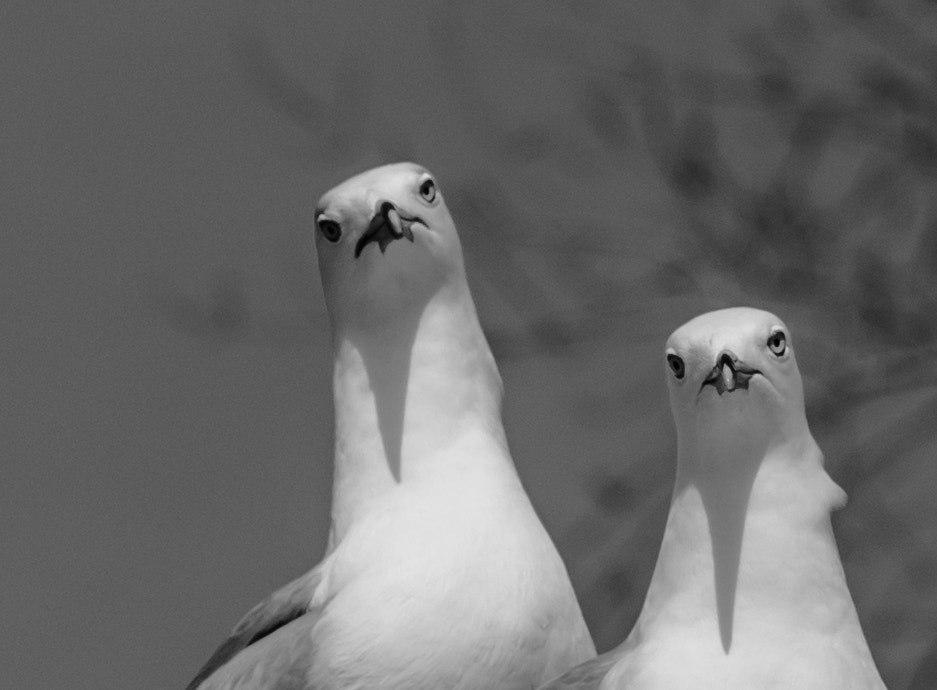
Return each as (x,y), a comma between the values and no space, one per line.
(677,367)
(330,230)
(777,343)
(428,190)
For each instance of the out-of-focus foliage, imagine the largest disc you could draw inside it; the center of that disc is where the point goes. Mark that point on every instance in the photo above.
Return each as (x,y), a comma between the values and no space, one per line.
(796,172)
(841,235)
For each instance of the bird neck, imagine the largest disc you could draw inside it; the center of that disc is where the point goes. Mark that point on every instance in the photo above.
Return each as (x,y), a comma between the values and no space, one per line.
(415,396)
(748,545)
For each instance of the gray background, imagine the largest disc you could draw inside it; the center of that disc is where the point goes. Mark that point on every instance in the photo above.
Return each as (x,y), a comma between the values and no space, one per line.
(165,434)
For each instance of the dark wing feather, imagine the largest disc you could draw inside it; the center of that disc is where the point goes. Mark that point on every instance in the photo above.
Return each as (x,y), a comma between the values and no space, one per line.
(280,608)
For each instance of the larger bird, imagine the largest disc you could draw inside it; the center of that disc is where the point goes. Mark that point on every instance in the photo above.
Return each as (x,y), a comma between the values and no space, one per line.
(438,573)
(749,590)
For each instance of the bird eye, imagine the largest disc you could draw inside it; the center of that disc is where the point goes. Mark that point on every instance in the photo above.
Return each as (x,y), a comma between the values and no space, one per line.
(330,230)
(677,367)
(428,190)
(777,343)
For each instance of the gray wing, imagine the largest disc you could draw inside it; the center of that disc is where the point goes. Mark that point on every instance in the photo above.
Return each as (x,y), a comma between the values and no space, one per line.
(586,676)
(265,640)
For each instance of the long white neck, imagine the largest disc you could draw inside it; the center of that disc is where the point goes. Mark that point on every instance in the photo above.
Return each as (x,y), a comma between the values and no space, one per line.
(748,548)
(406,389)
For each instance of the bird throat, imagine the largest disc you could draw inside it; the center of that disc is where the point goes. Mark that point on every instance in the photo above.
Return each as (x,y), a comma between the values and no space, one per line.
(404,391)
(733,540)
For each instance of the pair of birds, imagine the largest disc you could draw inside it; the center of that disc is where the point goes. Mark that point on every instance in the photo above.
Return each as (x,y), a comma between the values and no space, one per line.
(438,573)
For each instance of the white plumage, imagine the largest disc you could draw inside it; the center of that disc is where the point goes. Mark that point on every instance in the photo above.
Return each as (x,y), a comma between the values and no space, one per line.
(438,573)
(748,590)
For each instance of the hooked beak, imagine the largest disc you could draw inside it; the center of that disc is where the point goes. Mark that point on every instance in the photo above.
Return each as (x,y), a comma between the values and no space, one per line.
(729,374)
(386,226)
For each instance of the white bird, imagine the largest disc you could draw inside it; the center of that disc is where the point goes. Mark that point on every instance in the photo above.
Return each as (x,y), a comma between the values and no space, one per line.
(438,573)
(748,590)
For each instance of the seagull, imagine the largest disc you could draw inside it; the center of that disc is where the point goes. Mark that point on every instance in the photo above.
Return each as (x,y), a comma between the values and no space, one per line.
(437,573)
(748,590)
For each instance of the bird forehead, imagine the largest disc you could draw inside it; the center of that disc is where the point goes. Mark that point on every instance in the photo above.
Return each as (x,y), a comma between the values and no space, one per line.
(739,329)
(358,194)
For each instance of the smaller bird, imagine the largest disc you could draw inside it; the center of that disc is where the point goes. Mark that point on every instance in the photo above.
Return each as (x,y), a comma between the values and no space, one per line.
(748,590)
(438,574)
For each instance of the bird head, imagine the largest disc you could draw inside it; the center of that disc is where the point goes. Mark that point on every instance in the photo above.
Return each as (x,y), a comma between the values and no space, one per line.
(733,380)
(386,243)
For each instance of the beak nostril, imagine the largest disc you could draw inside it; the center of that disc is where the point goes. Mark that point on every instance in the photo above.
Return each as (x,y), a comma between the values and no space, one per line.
(727,359)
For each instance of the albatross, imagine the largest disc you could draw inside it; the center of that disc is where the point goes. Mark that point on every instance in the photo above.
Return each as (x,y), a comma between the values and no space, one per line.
(437,574)
(748,590)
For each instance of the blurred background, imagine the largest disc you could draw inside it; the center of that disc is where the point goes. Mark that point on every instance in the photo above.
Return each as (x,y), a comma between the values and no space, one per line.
(614,169)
